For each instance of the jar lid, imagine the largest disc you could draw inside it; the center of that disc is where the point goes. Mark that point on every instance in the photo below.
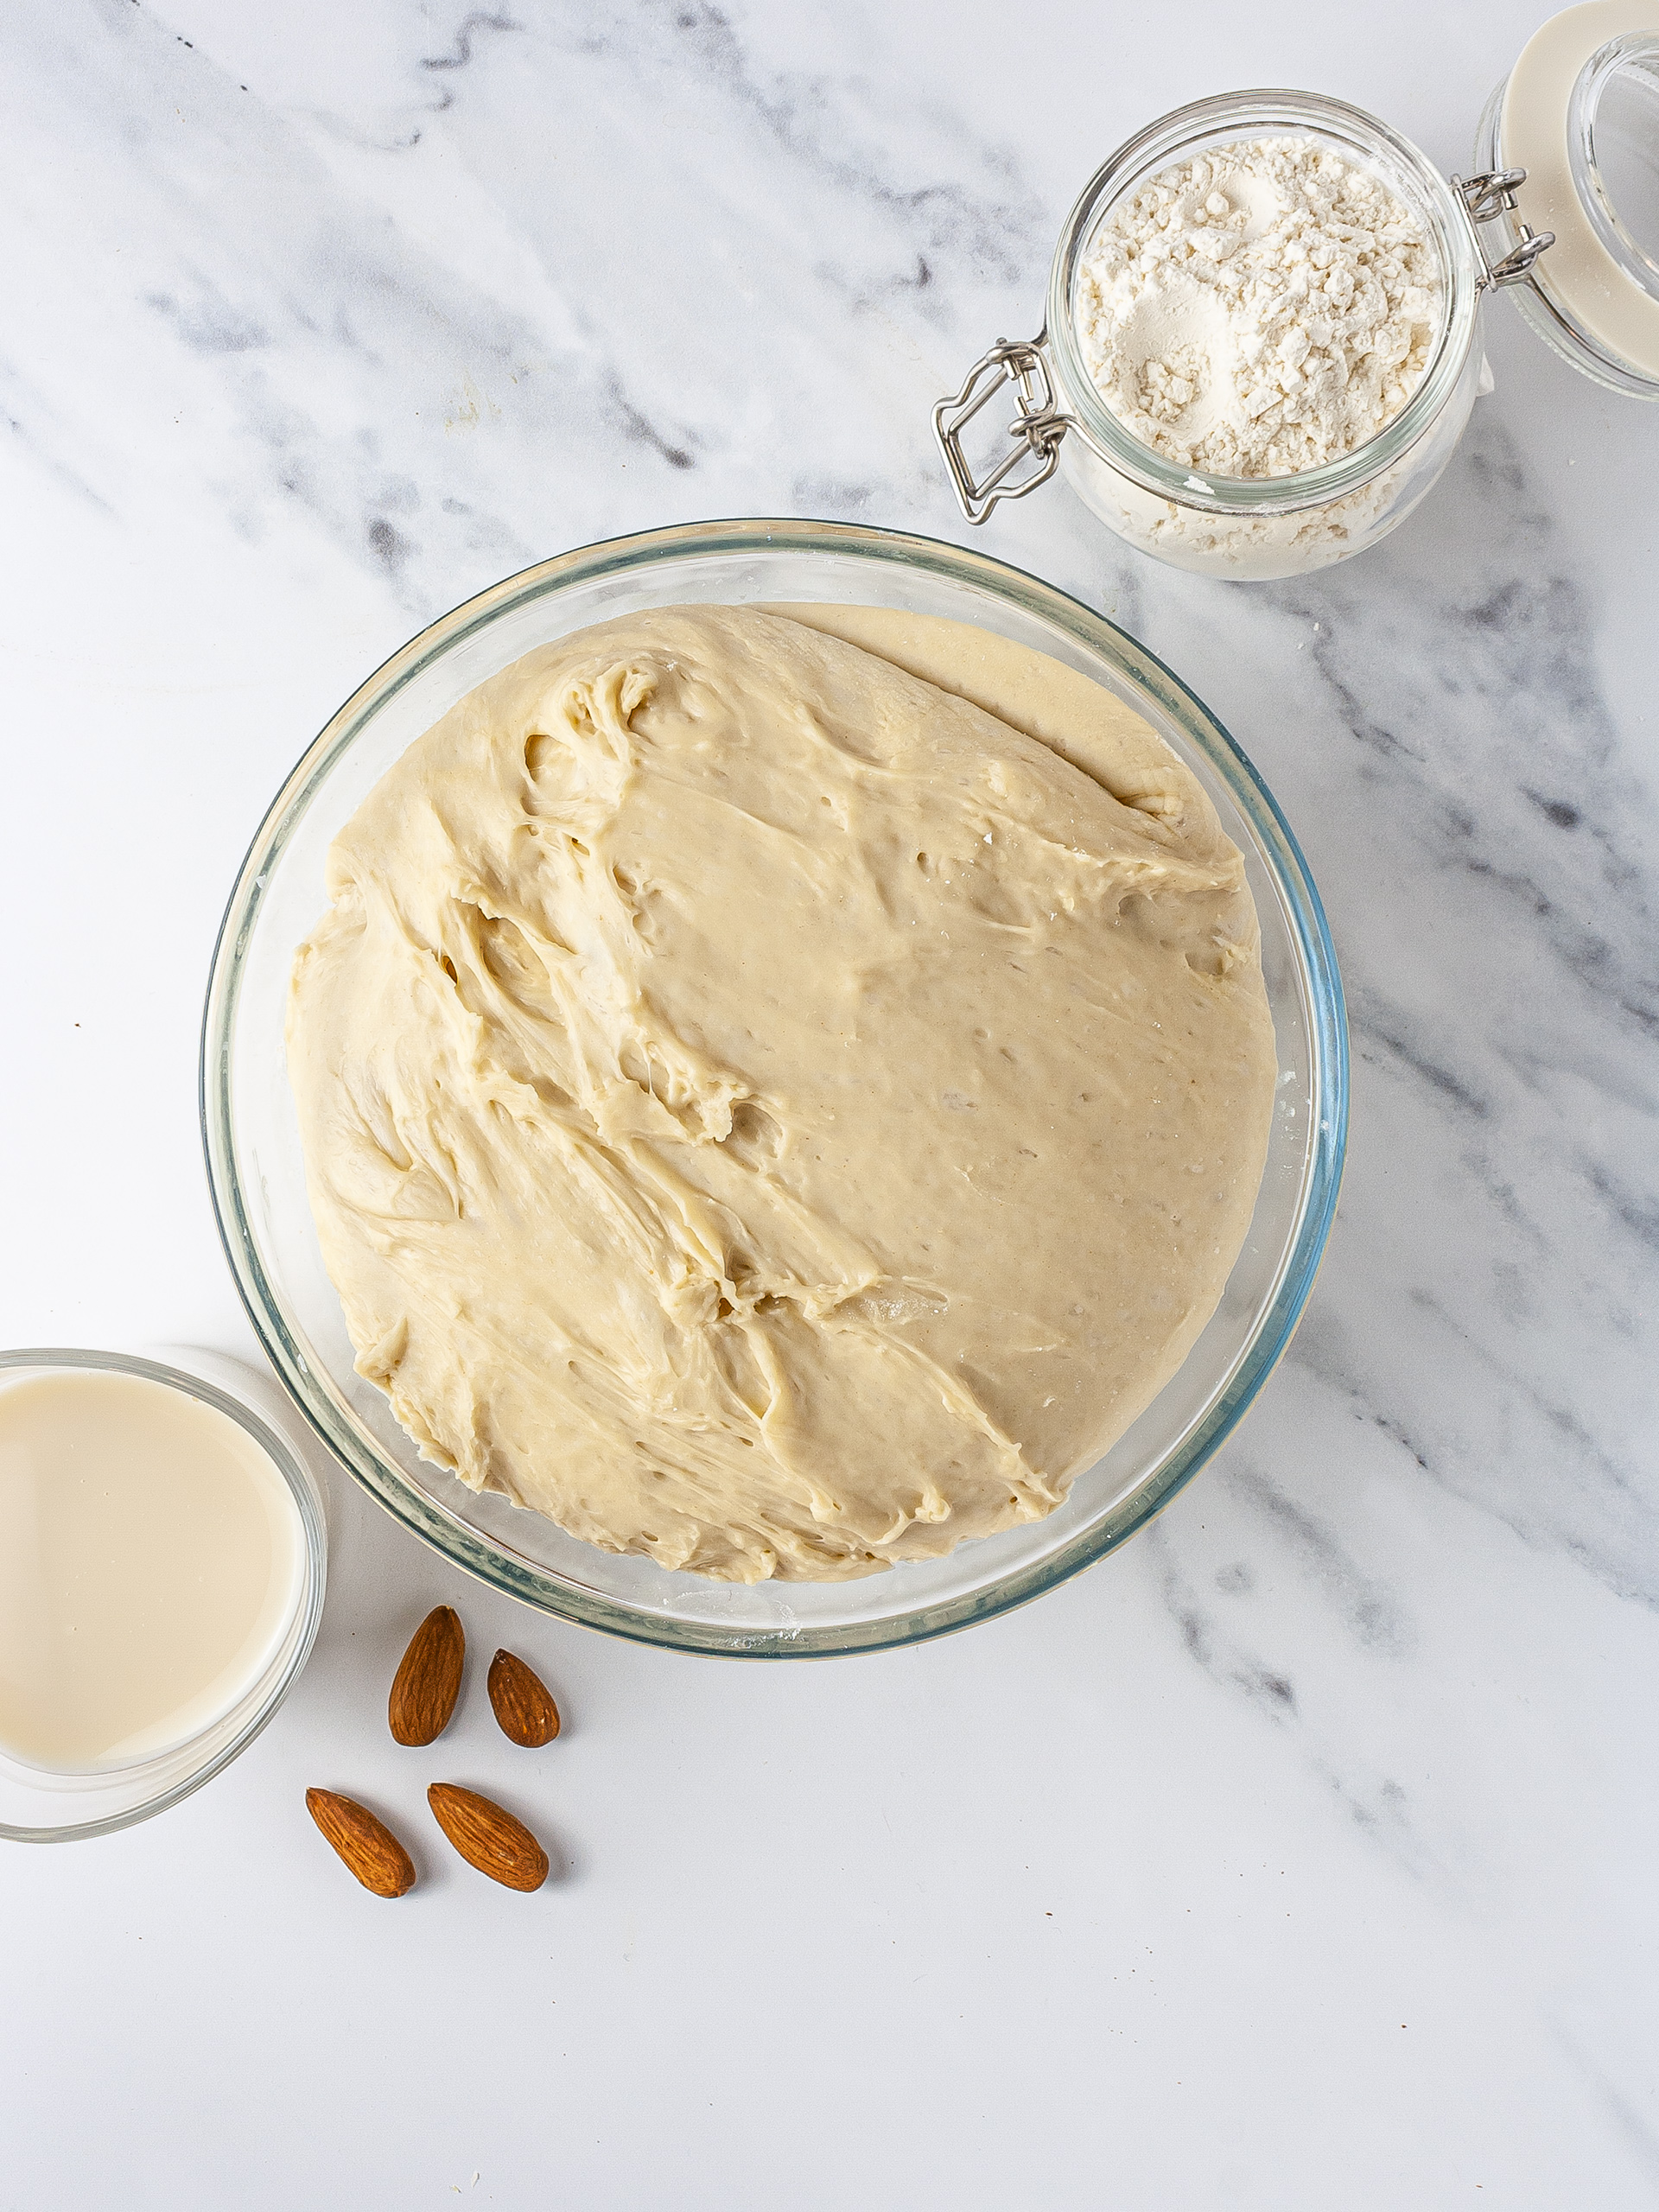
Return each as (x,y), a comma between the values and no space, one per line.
(1581,115)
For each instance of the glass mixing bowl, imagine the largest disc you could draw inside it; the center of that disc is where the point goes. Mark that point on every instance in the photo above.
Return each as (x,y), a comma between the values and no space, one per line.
(258,1174)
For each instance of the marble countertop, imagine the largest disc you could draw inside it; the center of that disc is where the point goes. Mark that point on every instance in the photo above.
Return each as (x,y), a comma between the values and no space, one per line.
(1301,1854)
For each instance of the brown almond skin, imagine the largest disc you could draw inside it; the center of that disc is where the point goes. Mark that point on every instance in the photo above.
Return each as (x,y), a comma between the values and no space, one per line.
(427,1683)
(488,1837)
(367,1845)
(523,1704)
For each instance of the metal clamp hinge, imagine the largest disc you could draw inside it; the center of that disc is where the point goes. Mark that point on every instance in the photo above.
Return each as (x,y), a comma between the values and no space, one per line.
(1485,199)
(1037,430)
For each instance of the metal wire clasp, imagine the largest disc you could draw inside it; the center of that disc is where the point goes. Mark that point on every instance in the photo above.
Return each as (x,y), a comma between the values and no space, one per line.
(1485,199)
(1038,428)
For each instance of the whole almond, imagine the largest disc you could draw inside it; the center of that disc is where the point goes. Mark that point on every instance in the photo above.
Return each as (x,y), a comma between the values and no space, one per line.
(488,1837)
(367,1845)
(522,1703)
(427,1683)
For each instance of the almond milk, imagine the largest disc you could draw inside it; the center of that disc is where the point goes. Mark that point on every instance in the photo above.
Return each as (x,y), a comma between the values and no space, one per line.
(151,1558)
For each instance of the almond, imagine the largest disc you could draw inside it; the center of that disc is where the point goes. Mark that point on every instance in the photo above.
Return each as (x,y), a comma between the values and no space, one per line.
(488,1837)
(522,1703)
(367,1845)
(427,1684)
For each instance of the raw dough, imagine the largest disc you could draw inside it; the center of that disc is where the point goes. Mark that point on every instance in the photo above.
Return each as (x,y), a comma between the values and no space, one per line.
(765,1112)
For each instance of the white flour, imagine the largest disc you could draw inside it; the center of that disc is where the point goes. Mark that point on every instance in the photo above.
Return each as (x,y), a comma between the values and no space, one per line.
(1264,308)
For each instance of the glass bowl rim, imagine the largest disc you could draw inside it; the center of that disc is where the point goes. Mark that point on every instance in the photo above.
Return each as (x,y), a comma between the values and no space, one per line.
(1162,143)
(643,550)
(313,1522)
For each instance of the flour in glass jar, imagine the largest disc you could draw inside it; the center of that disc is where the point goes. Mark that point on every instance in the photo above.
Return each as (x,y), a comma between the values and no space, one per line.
(1266,308)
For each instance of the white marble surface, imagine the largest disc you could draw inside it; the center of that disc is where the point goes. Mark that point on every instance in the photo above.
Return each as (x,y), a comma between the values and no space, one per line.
(1302,1855)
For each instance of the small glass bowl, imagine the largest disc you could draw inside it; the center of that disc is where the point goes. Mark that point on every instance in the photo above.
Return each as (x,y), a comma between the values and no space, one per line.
(257,1169)
(41,1808)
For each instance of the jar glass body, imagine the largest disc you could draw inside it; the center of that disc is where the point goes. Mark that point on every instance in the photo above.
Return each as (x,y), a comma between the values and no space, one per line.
(1255,528)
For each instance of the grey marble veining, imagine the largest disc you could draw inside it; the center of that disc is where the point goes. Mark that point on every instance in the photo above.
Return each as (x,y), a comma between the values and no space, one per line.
(1502,954)
(1301,1854)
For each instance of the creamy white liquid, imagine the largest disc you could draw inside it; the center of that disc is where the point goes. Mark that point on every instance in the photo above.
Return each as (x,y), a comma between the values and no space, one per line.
(151,1558)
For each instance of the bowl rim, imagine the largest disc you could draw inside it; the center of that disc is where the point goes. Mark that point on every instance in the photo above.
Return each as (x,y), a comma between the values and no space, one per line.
(1328,1036)
(285,1667)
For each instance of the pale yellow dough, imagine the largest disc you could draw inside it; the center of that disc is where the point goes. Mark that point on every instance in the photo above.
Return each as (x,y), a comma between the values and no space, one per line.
(767,1112)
